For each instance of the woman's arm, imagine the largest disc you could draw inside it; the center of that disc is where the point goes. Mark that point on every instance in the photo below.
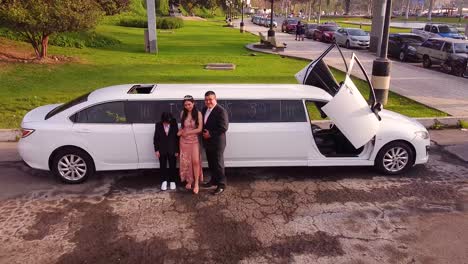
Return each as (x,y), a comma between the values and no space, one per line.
(200,125)
(180,132)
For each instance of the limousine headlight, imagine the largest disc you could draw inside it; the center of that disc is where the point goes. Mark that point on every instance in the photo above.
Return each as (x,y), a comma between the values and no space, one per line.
(422,134)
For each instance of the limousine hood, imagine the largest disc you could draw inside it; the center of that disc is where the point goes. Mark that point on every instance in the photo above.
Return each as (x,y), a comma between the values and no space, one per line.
(38,114)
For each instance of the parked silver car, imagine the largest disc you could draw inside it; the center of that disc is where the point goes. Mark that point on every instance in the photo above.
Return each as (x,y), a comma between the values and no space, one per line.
(352,38)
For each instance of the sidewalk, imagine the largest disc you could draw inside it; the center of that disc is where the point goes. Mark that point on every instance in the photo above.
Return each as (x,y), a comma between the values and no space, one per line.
(455,141)
(431,87)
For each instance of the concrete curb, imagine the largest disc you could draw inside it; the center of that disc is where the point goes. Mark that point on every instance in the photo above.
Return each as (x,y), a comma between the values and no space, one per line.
(8,135)
(11,135)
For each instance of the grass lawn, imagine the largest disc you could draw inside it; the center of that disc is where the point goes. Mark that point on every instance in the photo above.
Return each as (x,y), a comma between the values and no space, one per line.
(183,54)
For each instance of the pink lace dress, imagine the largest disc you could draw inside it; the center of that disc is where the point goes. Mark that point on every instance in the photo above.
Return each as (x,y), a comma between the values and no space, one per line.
(189,149)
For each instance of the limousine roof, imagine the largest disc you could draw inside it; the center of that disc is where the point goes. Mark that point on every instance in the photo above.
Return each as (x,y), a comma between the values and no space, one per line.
(223,91)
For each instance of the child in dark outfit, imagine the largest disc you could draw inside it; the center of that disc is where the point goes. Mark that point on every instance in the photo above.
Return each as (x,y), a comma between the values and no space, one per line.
(166,148)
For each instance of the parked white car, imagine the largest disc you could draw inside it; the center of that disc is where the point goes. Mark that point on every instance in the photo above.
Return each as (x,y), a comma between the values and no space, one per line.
(352,38)
(112,128)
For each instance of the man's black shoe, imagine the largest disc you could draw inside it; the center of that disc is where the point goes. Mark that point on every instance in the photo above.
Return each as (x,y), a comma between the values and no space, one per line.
(208,184)
(218,191)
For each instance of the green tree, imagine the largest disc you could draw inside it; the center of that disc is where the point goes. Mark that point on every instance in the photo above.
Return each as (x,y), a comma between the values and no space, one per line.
(36,20)
(113,7)
(162,7)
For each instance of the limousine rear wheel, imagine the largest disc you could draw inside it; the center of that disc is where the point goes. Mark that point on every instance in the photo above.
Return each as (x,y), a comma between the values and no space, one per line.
(395,158)
(72,165)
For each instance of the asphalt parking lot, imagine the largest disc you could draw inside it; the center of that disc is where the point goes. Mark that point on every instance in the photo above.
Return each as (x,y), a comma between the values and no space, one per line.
(267,215)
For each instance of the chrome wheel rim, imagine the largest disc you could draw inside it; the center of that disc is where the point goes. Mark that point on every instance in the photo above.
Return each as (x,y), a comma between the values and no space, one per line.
(72,167)
(395,159)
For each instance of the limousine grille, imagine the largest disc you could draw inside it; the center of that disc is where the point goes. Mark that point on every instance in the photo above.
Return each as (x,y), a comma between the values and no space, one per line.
(142,89)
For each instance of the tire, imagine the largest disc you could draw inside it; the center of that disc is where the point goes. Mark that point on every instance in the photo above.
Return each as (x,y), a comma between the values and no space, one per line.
(395,158)
(402,56)
(323,39)
(347,44)
(75,161)
(427,62)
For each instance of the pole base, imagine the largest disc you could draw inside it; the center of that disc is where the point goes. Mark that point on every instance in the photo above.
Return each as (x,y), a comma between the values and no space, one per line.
(271,33)
(381,79)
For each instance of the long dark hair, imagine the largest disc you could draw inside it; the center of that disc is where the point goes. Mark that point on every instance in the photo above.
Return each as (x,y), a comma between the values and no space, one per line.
(185,112)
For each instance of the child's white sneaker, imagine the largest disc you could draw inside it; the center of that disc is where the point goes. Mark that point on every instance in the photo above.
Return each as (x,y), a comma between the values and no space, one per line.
(172,186)
(164,186)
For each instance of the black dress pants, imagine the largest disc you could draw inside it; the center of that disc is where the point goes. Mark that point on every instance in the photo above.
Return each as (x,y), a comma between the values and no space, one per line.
(215,157)
(168,174)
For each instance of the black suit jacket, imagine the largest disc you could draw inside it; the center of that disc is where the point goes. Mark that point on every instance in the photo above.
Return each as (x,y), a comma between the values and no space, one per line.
(217,124)
(166,143)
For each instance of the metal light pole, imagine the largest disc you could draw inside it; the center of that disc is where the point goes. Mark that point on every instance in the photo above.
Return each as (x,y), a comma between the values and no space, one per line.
(271,32)
(150,33)
(381,66)
(242,26)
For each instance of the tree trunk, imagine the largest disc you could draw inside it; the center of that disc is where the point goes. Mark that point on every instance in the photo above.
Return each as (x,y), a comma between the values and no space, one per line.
(44,46)
(429,14)
(347,6)
(407,9)
(320,11)
(460,12)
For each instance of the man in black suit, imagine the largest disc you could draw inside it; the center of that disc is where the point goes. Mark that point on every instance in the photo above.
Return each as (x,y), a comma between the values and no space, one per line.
(166,147)
(216,123)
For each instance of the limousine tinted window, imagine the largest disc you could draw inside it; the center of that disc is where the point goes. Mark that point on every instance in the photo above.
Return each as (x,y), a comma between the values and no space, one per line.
(106,113)
(239,111)
(148,112)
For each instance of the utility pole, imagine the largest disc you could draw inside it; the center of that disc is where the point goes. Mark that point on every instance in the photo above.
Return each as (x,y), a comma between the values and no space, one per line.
(271,32)
(150,33)
(381,66)
(242,26)
(378,11)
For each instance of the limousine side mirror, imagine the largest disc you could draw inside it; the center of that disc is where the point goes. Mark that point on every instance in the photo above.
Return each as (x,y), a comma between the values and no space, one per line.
(376,109)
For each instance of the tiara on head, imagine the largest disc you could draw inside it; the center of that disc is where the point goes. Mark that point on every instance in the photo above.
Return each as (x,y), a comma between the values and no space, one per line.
(188,97)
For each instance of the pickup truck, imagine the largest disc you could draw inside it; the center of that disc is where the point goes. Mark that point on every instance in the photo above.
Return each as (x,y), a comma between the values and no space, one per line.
(438,31)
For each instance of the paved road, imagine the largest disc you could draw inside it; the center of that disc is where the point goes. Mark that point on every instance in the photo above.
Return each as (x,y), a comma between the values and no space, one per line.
(429,86)
(276,215)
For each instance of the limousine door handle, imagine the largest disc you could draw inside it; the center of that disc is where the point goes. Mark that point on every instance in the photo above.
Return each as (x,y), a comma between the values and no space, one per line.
(83,130)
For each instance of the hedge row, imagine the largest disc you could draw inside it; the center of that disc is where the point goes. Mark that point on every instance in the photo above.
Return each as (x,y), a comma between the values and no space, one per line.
(161,23)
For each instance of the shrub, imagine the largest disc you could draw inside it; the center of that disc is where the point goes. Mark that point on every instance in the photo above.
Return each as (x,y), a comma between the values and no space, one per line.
(133,22)
(161,22)
(169,23)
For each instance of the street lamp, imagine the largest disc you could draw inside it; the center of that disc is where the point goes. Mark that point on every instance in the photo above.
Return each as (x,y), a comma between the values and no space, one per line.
(242,26)
(271,32)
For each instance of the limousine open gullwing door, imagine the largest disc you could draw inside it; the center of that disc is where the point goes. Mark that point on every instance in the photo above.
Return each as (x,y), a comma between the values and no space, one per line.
(357,119)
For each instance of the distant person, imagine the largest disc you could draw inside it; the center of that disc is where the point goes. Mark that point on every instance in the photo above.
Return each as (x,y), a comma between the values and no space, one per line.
(216,123)
(190,156)
(166,147)
(299,31)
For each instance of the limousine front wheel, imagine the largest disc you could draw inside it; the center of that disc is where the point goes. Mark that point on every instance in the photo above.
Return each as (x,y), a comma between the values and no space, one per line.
(72,165)
(395,158)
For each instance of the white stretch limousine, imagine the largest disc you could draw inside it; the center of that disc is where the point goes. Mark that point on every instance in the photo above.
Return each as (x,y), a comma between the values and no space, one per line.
(112,128)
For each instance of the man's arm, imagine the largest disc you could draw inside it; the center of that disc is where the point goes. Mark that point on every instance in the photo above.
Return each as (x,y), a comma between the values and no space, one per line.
(222,125)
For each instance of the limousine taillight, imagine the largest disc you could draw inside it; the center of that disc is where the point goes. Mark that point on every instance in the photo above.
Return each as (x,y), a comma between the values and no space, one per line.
(26,132)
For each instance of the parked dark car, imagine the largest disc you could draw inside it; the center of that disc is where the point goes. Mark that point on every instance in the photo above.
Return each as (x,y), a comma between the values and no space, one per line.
(309,30)
(289,25)
(324,33)
(404,45)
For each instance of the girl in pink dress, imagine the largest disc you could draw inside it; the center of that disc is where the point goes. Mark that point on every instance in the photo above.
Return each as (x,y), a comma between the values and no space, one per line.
(190,155)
